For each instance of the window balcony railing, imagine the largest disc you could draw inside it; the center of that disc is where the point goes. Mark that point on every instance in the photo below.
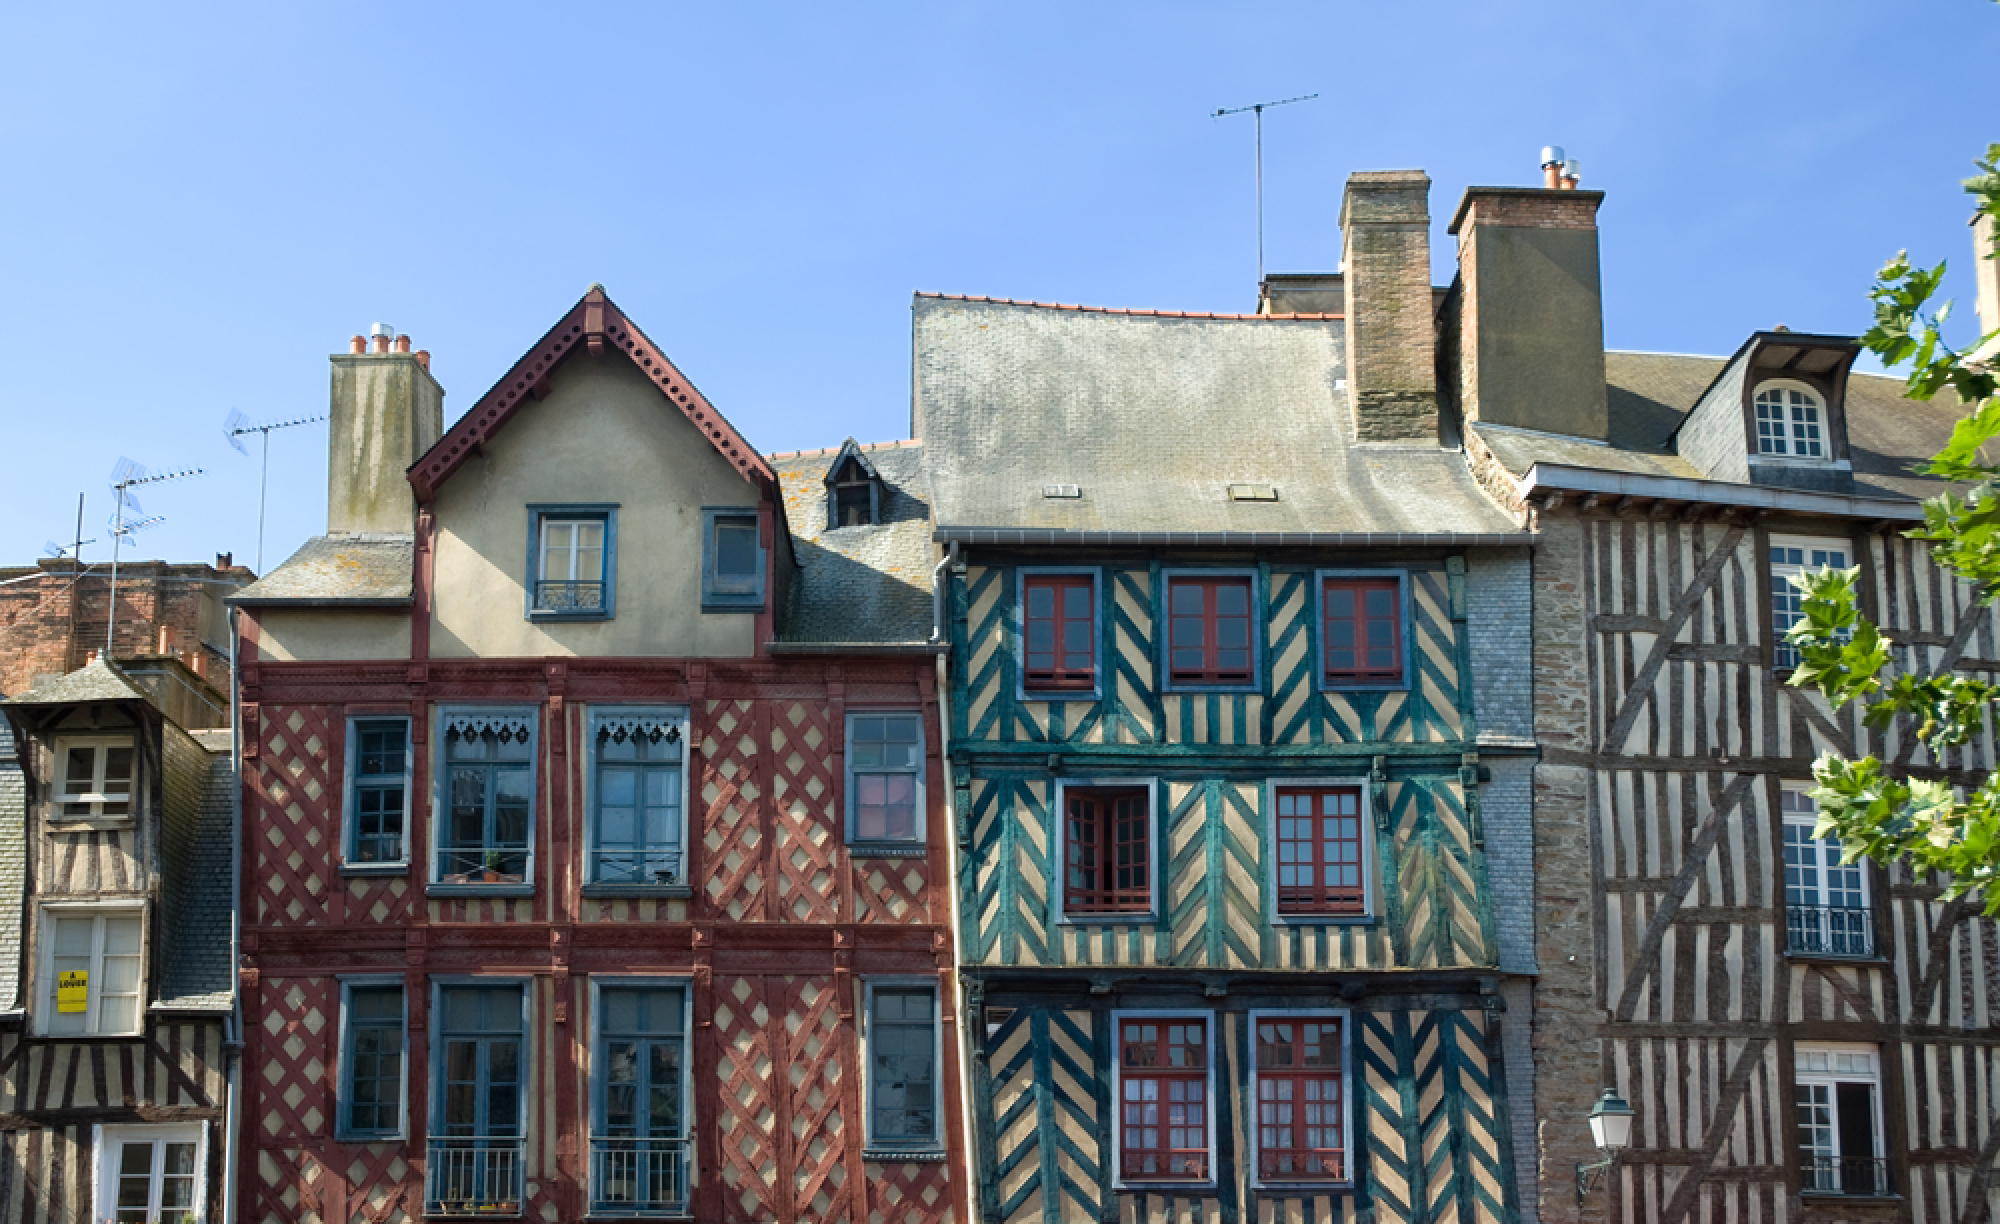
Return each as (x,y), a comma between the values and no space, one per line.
(1864,1176)
(474,1175)
(1301,1164)
(569,597)
(636,867)
(1829,930)
(639,1176)
(482,865)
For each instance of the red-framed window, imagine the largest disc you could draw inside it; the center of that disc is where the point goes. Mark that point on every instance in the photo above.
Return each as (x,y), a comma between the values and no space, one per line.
(1208,631)
(1163,1099)
(1362,642)
(1300,1106)
(1058,632)
(1107,850)
(1319,850)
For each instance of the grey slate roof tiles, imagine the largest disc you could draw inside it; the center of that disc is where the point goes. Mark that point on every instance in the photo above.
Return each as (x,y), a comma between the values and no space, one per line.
(363,567)
(94,681)
(866,585)
(196,973)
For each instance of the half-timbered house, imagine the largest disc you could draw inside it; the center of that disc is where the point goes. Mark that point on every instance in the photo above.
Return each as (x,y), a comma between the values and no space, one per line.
(1238,688)
(596,863)
(1802,1040)
(116,1034)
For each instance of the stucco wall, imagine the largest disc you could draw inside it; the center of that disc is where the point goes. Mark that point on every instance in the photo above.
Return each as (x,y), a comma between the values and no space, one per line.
(605,434)
(309,634)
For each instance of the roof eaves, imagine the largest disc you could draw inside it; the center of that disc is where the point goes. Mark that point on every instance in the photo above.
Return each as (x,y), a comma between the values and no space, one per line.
(320,601)
(1055,536)
(1120,310)
(1545,477)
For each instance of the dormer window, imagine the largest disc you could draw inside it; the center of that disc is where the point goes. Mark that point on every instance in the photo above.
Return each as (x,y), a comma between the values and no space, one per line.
(853,489)
(1790,422)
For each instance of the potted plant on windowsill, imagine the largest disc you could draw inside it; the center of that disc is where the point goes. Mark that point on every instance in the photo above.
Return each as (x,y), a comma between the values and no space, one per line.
(492,867)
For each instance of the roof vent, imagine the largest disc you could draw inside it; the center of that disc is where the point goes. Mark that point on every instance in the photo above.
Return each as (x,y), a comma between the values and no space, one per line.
(1253,492)
(1061,491)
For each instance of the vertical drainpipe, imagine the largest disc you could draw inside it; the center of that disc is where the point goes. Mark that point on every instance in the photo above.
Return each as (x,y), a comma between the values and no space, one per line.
(232,1036)
(972,1025)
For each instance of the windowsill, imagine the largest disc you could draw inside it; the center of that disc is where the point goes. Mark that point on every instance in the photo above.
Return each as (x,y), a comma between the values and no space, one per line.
(374,869)
(684,1213)
(1345,1183)
(134,1035)
(1332,686)
(890,850)
(1089,919)
(638,890)
(930,1155)
(1323,920)
(1089,694)
(1164,1182)
(111,825)
(1205,690)
(479,890)
(398,1137)
(1853,1200)
(748,605)
(1834,958)
(561,614)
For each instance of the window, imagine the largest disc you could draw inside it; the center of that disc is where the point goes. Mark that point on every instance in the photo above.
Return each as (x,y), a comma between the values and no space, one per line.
(1319,851)
(150,1174)
(1788,422)
(1838,1108)
(378,788)
(903,1066)
(1163,1095)
(371,1061)
(572,555)
(854,492)
(94,779)
(1107,850)
(1301,1108)
(639,1137)
(475,1144)
(1792,555)
(489,796)
(637,837)
(1826,902)
(885,778)
(1208,643)
(1058,633)
(92,971)
(732,563)
(1361,643)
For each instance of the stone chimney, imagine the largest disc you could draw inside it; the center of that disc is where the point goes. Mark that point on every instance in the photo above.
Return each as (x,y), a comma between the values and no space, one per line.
(1385,226)
(387,410)
(1531,319)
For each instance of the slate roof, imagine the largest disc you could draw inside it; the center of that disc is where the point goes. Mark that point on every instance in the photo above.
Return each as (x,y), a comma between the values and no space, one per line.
(867,585)
(1649,393)
(374,567)
(13,865)
(1153,416)
(94,681)
(196,973)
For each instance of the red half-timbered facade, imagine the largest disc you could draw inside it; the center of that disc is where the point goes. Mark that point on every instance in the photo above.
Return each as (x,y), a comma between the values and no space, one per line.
(595,859)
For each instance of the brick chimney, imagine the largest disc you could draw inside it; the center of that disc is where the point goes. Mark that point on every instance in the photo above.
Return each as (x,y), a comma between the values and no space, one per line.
(1531,320)
(1385,226)
(387,410)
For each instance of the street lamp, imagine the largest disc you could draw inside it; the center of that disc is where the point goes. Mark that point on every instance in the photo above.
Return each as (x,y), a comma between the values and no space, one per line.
(1611,1128)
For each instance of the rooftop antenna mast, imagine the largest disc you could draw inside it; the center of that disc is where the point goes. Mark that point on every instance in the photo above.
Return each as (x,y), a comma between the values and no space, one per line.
(1257,111)
(125,475)
(233,428)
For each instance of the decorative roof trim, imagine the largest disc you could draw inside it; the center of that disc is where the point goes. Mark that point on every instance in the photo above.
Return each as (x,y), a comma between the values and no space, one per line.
(1234,539)
(597,324)
(1151,314)
(504,725)
(851,449)
(655,723)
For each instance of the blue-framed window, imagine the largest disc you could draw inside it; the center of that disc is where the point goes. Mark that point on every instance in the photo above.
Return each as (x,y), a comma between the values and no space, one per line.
(371,1060)
(1363,618)
(640,1138)
(638,833)
(486,819)
(572,561)
(885,777)
(905,1066)
(378,792)
(1212,627)
(477,1105)
(732,560)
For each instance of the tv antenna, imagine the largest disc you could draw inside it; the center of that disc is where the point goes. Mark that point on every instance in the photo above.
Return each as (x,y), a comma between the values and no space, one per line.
(127,516)
(234,427)
(1257,111)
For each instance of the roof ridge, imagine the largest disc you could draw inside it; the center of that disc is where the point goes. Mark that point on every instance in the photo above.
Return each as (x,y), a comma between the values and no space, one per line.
(893,444)
(1126,310)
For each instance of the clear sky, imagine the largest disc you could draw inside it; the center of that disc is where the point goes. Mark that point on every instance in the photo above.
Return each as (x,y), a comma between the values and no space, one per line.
(203,201)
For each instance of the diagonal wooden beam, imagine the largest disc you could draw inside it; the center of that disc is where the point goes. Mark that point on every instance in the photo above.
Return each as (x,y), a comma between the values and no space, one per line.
(1969,619)
(1648,957)
(1684,607)
(1954,913)
(1974,1211)
(1720,1123)
(1802,705)
(1848,995)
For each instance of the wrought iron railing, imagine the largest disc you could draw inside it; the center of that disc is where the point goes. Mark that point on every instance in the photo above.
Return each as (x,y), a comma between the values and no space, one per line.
(1830,930)
(639,1176)
(569,596)
(1860,1175)
(474,1175)
(637,867)
(482,865)
(1302,1164)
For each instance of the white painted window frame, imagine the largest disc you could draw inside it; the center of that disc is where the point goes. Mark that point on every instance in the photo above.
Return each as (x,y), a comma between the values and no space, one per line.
(104,1169)
(1788,411)
(1873,1079)
(96,798)
(44,1000)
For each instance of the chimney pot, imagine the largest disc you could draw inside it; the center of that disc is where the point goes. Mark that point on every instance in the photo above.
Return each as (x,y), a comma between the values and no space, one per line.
(383,416)
(358,345)
(424,358)
(402,344)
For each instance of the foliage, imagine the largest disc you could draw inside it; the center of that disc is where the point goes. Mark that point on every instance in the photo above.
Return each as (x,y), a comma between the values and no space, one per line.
(1875,813)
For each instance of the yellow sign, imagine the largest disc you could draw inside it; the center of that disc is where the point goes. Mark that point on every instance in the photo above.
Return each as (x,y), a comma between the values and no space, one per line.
(73,990)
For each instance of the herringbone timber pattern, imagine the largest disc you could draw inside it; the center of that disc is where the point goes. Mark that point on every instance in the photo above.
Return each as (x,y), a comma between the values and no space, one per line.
(1435,1147)
(1048,1098)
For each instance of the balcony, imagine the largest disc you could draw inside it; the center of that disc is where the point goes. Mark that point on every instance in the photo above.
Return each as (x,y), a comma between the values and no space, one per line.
(1829,930)
(569,597)
(474,1175)
(635,1177)
(1864,1177)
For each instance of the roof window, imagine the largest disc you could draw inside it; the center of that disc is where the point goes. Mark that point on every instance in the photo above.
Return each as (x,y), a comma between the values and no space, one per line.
(853,489)
(1791,421)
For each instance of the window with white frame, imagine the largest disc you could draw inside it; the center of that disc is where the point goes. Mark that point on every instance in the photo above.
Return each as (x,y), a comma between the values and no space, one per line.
(92,971)
(885,777)
(94,776)
(1790,556)
(1790,421)
(903,1066)
(372,1042)
(1163,1089)
(1827,911)
(638,831)
(150,1175)
(378,782)
(1837,1099)
(1301,1096)
(640,1141)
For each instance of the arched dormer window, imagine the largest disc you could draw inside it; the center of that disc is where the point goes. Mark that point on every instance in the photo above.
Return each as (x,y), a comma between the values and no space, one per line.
(853,489)
(1791,421)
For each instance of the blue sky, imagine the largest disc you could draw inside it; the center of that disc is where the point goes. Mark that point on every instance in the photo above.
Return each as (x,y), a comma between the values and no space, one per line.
(202,202)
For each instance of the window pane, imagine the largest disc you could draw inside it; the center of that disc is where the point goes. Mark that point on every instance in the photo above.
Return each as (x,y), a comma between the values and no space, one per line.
(735,548)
